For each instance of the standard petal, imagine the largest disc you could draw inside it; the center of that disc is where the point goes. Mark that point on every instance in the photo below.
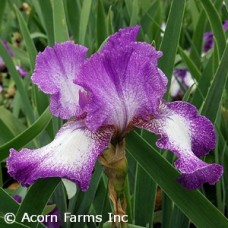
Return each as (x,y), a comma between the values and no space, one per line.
(55,70)
(189,136)
(71,155)
(123,83)
(123,37)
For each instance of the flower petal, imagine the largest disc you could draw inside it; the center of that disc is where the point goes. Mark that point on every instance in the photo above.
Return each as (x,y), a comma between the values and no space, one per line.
(123,37)
(189,136)
(71,155)
(124,83)
(55,70)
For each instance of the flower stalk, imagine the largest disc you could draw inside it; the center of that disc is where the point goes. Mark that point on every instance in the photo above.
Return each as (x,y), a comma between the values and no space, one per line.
(115,167)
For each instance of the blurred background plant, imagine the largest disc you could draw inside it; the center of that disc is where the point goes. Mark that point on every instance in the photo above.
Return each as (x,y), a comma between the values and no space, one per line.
(193,38)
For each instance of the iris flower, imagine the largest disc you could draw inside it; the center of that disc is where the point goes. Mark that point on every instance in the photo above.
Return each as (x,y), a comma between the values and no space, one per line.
(184,77)
(23,73)
(208,38)
(104,97)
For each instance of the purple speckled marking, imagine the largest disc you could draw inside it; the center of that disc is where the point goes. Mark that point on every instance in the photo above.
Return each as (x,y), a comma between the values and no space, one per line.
(55,70)
(189,136)
(72,155)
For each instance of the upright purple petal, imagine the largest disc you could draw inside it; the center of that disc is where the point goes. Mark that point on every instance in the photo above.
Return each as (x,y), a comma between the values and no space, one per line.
(123,83)
(123,37)
(71,155)
(54,73)
(189,136)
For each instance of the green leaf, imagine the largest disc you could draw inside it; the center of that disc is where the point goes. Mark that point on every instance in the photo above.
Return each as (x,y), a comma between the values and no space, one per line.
(27,107)
(84,199)
(134,12)
(48,209)
(7,203)
(101,23)
(170,40)
(187,95)
(197,41)
(60,199)
(84,19)
(7,133)
(216,25)
(13,124)
(213,99)
(101,201)
(195,206)
(3,224)
(44,10)
(42,190)
(195,72)
(27,37)
(26,136)
(2,9)
(178,219)
(73,14)
(59,21)
(203,84)
(143,212)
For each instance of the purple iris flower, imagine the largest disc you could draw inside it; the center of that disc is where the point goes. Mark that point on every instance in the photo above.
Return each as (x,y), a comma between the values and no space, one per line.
(2,63)
(19,68)
(21,71)
(225,25)
(4,42)
(184,77)
(208,38)
(104,97)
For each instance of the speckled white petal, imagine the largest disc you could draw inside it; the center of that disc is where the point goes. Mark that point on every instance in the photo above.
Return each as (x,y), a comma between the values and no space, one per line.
(189,136)
(56,68)
(71,155)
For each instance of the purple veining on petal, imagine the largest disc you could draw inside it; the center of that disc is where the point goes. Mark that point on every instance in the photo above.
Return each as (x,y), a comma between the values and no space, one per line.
(189,136)
(84,99)
(71,155)
(124,83)
(54,73)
